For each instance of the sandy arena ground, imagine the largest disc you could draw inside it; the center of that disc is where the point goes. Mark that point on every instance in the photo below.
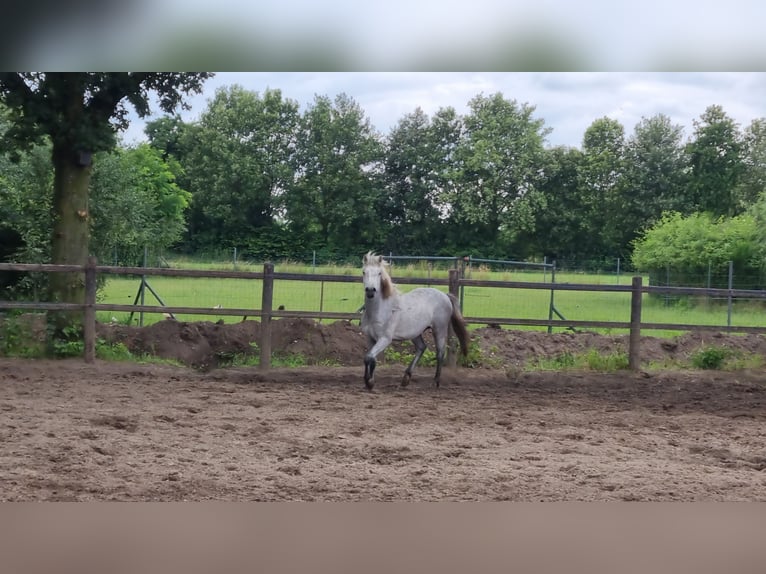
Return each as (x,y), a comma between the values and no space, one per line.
(117,431)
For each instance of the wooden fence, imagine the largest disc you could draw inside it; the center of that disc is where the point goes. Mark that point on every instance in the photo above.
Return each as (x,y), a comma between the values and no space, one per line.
(266,313)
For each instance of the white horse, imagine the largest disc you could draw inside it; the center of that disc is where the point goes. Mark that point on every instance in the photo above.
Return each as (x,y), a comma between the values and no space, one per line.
(392,316)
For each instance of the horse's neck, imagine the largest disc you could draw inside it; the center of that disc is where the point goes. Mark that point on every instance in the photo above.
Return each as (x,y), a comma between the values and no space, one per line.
(378,306)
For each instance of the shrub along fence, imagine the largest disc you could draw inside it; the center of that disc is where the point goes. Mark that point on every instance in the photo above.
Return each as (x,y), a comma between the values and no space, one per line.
(266,312)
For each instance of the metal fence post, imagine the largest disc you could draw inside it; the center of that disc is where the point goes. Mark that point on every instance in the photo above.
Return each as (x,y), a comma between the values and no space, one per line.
(552,304)
(728,297)
(142,290)
(266,304)
(634,347)
(89,311)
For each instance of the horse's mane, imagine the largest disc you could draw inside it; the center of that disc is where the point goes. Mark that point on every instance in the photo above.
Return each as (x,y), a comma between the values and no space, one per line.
(387,285)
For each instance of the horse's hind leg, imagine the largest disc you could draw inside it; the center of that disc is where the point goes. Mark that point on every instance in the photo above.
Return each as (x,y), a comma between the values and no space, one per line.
(420,347)
(440,340)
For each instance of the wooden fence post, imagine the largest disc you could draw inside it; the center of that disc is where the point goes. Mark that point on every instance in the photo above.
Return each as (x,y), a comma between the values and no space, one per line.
(454,289)
(634,351)
(266,304)
(89,311)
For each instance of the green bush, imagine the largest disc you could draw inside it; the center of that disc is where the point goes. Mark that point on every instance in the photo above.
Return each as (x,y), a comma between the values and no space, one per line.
(614,361)
(113,351)
(690,246)
(710,357)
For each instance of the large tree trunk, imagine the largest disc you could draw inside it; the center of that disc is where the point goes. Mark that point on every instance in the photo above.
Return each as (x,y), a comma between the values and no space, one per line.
(71,233)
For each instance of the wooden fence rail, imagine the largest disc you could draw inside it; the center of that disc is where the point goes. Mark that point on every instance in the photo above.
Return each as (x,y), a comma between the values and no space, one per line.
(89,307)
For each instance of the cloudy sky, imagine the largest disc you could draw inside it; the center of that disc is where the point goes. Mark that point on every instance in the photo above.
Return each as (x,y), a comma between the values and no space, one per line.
(568,101)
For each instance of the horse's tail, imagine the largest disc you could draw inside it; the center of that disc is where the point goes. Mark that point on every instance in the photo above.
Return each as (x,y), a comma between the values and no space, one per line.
(459,326)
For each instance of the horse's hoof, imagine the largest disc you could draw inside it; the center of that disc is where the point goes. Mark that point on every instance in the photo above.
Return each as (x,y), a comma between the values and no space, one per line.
(369,385)
(406,379)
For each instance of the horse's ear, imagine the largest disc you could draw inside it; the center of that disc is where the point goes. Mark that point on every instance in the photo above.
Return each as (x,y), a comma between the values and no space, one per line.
(371,259)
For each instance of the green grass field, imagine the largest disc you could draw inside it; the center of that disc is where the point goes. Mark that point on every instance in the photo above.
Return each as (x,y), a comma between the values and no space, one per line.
(477,301)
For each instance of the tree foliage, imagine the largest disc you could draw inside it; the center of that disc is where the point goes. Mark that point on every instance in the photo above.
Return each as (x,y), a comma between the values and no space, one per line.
(81,112)
(416,162)
(25,203)
(335,198)
(698,241)
(654,177)
(560,228)
(499,159)
(715,154)
(134,200)
(237,161)
(274,181)
(136,203)
(601,183)
(25,218)
(752,182)
(481,183)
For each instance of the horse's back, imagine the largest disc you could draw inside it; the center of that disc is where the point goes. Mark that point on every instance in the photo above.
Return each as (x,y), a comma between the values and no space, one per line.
(422,308)
(428,296)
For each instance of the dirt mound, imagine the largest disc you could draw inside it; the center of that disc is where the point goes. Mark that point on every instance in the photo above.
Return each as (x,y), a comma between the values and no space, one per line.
(205,345)
(513,347)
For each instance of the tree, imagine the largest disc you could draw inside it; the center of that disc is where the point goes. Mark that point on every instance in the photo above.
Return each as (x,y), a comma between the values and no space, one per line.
(558,231)
(25,218)
(654,176)
(335,200)
(237,165)
(413,162)
(716,164)
(758,212)
(80,113)
(601,175)
(500,157)
(446,132)
(752,183)
(136,203)
(168,135)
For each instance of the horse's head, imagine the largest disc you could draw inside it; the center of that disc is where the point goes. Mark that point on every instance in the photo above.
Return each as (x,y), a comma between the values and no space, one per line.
(375,277)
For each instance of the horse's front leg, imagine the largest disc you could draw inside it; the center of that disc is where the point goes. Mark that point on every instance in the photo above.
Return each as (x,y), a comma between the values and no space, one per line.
(370,362)
(369,371)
